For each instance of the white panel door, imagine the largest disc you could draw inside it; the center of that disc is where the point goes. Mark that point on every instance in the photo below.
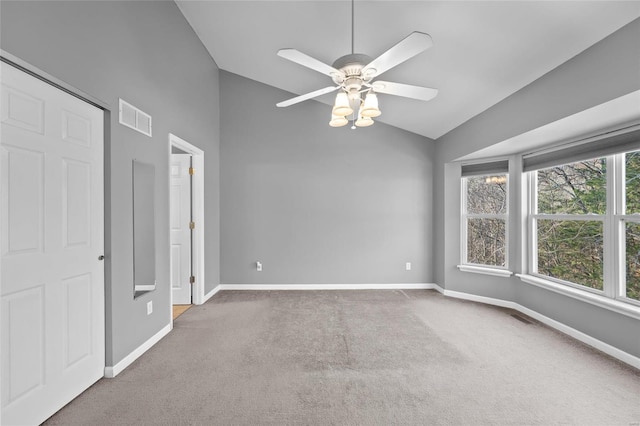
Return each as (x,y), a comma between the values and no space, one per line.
(52,281)
(180,218)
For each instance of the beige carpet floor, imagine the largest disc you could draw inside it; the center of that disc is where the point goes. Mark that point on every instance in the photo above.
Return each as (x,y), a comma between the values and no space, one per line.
(361,358)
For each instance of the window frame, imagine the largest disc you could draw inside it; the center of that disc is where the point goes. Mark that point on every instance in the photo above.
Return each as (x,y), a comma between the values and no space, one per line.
(614,233)
(465,216)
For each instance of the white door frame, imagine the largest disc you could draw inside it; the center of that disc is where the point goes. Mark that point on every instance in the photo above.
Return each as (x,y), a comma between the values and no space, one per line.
(197,203)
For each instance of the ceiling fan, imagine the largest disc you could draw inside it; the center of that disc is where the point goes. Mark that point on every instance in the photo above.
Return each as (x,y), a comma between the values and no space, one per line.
(353,75)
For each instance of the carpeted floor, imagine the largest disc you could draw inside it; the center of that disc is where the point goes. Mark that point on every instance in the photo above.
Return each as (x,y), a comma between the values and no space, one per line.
(361,358)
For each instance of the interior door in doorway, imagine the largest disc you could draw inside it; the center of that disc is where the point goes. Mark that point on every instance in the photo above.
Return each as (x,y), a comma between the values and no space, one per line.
(52,281)
(181,223)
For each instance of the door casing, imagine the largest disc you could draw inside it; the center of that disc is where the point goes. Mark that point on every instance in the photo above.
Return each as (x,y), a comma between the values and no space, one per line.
(197,204)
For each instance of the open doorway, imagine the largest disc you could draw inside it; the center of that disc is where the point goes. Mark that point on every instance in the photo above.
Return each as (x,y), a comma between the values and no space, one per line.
(186,198)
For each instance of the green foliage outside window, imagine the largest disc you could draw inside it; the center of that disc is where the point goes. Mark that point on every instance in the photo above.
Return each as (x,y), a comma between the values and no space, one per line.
(632,181)
(572,250)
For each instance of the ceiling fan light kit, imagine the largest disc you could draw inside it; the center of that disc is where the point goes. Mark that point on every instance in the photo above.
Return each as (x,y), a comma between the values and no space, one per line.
(353,75)
(338,121)
(363,121)
(342,105)
(370,106)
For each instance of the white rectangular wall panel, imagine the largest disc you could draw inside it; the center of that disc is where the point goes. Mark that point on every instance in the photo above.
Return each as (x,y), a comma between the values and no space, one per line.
(176,266)
(76,204)
(76,129)
(23,337)
(78,318)
(22,200)
(22,110)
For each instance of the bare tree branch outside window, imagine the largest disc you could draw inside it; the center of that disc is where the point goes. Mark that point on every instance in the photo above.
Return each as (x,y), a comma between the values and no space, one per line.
(486,210)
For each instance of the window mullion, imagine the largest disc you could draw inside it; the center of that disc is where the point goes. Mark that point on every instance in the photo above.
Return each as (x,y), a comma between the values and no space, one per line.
(533,226)
(463,222)
(609,267)
(618,262)
(562,216)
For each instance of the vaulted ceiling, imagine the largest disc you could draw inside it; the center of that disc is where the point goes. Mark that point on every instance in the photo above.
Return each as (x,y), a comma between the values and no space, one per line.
(483,51)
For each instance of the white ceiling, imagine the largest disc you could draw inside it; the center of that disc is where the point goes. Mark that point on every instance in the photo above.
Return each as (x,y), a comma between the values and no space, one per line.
(483,50)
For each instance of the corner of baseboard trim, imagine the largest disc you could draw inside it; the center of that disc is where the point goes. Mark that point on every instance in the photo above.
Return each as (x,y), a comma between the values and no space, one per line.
(212,293)
(113,371)
(481,299)
(563,328)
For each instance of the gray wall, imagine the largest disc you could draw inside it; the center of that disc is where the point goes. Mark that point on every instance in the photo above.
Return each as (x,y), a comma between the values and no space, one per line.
(146,53)
(317,204)
(603,72)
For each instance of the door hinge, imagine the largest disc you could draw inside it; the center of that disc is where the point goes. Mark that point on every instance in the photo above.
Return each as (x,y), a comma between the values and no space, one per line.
(192,279)
(192,171)
(192,225)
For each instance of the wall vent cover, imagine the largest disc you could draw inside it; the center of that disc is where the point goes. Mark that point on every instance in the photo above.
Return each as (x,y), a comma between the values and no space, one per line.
(135,118)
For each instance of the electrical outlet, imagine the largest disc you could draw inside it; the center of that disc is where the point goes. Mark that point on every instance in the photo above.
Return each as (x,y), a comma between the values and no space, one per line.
(149,307)
(408,266)
(259,266)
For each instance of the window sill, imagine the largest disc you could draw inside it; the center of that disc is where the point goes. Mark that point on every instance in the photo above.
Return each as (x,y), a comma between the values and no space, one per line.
(485,270)
(585,296)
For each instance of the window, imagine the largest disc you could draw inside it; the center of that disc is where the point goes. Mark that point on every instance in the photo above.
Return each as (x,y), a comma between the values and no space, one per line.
(630,222)
(585,224)
(485,215)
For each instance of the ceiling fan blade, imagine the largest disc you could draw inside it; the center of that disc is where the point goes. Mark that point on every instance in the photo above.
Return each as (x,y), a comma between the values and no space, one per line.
(405,90)
(407,48)
(307,96)
(307,61)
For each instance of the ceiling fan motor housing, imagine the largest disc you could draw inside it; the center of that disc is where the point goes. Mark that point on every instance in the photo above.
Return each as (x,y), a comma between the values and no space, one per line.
(351,65)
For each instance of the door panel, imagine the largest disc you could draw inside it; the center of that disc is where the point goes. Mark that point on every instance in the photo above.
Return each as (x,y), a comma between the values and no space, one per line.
(23,354)
(180,232)
(76,203)
(22,200)
(77,329)
(52,283)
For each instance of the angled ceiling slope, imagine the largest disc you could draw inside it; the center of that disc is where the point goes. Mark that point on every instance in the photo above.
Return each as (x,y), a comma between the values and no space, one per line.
(483,51)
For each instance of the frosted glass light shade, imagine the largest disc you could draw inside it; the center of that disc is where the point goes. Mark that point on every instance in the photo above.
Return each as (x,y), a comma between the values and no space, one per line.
(341,107)
(370,107)
(364,121)
(337,121)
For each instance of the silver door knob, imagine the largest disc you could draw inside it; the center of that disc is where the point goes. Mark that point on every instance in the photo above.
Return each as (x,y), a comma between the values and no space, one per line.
(101,257)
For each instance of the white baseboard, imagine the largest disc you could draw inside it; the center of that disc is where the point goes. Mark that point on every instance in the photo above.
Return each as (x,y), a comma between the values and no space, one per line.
(438,289)
(570,331)
(481,299)
(212,293)
(387,286)
(111,372)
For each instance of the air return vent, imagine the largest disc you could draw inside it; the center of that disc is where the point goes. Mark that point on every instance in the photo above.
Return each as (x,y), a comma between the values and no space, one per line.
(134,118)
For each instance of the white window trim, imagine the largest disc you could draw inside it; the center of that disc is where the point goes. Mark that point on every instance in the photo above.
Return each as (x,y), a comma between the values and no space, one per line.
(464,217)
(485,270)
(620,307)
(613,295)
